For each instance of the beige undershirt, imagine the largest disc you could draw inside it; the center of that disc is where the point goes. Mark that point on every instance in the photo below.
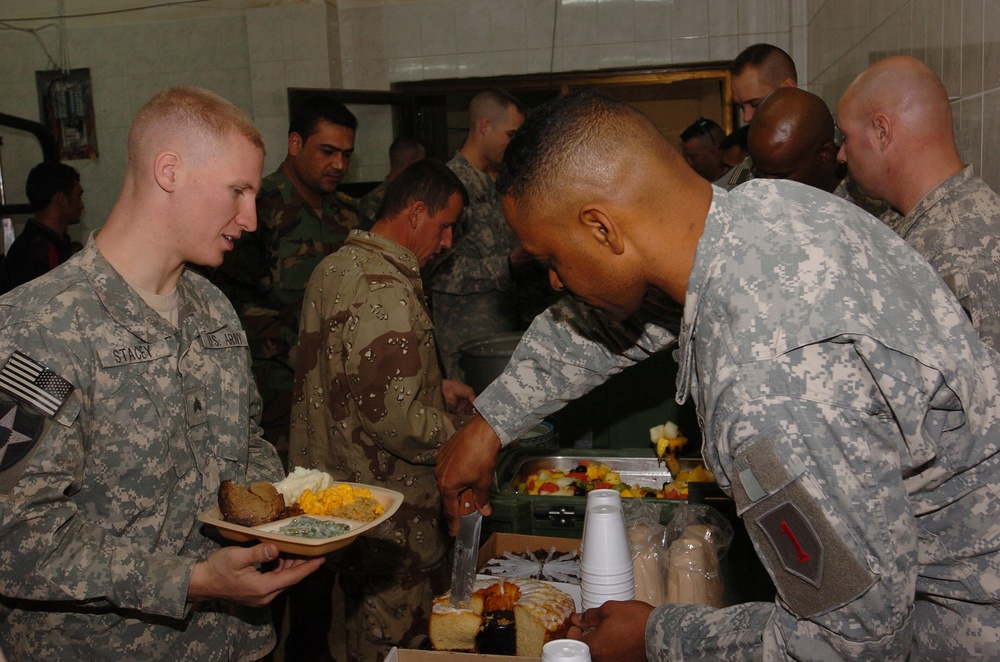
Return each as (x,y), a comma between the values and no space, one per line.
(167,305)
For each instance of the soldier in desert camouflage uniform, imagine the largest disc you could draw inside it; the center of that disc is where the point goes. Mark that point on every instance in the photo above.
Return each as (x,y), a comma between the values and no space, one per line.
(371,406)
(302,218)
(847,404)
(909,158)
(145,406)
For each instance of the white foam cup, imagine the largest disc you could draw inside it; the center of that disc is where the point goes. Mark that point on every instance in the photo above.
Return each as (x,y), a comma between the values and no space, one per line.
(590,599)
(606,497)
(622,578)
(604,546)
(565,650)
(603,497)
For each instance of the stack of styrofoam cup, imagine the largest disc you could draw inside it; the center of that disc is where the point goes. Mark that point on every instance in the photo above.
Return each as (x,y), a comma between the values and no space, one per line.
(565,650)
(598,498)
(606,571)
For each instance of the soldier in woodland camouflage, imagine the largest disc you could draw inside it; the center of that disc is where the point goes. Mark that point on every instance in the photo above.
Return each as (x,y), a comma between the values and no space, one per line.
(141,403)
(848,406)
(899,145)
(302,219)
(371,406)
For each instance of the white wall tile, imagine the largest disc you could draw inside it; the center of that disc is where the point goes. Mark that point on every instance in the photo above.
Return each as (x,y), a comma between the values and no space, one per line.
(440,66)
(473,64)
(615,22)
(652,20)
(723,17)
(505,63)
(577,23)
(472,26)
(402,32)
(539,21)
(654,52)
(507,25)
(689,18)
(616,55)
(693,49)
(577,58)
(437,28)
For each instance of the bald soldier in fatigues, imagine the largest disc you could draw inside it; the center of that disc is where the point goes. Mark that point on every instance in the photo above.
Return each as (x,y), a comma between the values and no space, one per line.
(899,145)
(371,406)
(848,405)
(126,398)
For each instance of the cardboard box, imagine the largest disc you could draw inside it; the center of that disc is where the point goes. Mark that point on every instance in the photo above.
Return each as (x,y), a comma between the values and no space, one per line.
(498,543)
(412,655)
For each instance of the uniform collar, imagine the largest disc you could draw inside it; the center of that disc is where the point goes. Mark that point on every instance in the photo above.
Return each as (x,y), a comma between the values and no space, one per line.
(127,308)
(715,225)
(398,255)
(934,196)
(290,196)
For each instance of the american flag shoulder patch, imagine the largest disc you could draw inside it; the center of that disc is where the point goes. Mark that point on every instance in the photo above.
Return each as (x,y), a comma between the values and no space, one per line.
(33,384)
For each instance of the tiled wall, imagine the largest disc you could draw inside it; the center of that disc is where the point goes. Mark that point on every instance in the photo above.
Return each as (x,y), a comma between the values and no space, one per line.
(251,54)
(958,39)
(391,40)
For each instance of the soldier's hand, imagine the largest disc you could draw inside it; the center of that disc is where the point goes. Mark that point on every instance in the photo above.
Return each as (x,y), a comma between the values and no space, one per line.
(231,574)
(467,461)
(458,397)
(615,631)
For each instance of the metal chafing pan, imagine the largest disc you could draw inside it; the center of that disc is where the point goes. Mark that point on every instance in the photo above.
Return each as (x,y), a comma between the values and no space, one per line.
(646,471)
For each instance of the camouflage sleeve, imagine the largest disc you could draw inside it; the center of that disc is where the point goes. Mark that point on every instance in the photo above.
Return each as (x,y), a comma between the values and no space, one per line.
(813,466)
(675,633)
(568,350)
(478,262)
(50,551)
(974,279)
(394,387)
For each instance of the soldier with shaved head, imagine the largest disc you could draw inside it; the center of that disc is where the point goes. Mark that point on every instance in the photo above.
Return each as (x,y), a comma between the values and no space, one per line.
(899,145)
(847,404)
(791,137)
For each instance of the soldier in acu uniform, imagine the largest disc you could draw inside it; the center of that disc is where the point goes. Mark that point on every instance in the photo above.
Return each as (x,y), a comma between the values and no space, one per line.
(302,219)
(848,405)
(126,399)
(371,406)
(899,145)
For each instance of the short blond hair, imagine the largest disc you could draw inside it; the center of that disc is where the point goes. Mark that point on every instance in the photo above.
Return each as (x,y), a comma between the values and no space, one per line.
(191,112)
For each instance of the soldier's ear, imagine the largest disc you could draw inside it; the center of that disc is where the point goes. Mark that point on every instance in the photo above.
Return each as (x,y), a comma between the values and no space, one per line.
(417,212)
(882,126)
(295,143)
(603,227)
(165,166)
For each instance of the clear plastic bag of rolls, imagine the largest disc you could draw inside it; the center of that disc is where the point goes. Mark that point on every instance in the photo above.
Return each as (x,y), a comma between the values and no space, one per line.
(648,544)
(699,537)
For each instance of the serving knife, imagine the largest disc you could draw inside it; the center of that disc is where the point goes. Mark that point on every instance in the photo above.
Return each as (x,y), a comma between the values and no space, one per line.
(463,572)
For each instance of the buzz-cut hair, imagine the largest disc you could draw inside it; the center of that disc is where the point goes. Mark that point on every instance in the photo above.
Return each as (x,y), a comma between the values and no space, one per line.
(772,63)
(492,104)
(429,181)
(191,111)
(405,149)
(566,135)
